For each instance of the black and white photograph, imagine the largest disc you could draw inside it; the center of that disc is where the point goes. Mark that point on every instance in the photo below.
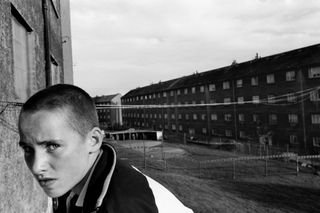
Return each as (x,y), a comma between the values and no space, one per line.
(158,106)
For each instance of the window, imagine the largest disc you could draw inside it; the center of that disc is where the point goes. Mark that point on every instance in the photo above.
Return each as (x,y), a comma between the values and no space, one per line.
(226,85)
(23,47)
(293,118)
(213,132)
(201,88)
(178,92)
(212,87)
(228,133)
(290,76)
(173,127)
(191,131)
(270,79)
(173,116)
(165,116)
(212,100)
(271,99)
(214,117)
(242,134)
(240,100)
(239,83)
(314,72)
(164,94)
(293,139)
(166,126)
(241,117)
(204,131)
(202,102)
(227,117)
(195,116)
(179,116)
(227,100)
(171,93)
(186,91)
(159,116)
(254,81)
(187,116)
(315,95)
(273,119)
(291,97)
(255,99)
(180,128)
(193,90)
(203,117)
(147,115)
(316,141)
(315,118)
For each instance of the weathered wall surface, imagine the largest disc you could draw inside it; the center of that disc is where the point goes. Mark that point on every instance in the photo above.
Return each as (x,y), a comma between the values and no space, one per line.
(19,192)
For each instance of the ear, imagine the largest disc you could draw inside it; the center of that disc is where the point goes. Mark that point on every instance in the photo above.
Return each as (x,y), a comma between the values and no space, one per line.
(95,137)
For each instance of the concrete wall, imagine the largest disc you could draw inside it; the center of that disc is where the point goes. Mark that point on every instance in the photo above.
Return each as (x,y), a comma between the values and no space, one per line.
(19,192)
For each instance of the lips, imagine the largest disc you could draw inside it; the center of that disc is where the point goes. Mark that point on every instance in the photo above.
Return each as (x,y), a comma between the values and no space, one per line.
(46,182)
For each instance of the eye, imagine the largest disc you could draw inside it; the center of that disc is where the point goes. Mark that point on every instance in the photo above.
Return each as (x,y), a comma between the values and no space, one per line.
(27,149)
(52,147)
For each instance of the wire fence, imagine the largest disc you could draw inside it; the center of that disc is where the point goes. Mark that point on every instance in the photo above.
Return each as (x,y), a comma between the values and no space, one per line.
(209,163)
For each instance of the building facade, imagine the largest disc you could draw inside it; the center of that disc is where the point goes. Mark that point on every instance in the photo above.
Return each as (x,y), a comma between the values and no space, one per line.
(31,58)
(109,111)
(273,100)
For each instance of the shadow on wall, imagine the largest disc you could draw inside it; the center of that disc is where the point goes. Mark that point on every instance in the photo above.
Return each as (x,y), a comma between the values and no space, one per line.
(19,192)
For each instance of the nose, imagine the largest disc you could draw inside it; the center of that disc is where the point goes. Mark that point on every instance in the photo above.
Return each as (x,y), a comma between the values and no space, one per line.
(38,163)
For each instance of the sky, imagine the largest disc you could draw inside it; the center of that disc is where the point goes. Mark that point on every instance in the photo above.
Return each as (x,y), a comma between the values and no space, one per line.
(119,45)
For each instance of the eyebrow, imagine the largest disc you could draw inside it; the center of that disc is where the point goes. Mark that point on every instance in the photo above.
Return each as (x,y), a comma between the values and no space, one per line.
(22,143)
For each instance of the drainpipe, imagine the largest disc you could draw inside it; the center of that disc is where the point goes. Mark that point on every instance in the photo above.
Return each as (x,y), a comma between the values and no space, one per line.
(47,44)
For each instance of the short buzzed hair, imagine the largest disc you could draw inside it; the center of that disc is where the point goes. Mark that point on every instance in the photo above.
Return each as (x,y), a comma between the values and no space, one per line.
(79,106)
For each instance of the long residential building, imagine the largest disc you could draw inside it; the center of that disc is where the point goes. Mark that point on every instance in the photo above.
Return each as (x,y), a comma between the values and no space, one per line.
(35,52)
(273,100)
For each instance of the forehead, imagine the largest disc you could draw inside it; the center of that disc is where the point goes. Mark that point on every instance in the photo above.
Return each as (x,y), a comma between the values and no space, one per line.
(43,122)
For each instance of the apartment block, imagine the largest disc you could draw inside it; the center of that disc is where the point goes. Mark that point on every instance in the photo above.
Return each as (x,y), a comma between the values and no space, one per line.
(272,100)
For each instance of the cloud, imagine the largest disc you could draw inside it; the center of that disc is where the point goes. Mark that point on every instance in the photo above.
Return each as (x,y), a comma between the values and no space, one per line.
(130,43)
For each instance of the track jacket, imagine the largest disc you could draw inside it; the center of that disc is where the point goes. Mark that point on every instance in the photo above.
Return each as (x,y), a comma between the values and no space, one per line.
(117,187)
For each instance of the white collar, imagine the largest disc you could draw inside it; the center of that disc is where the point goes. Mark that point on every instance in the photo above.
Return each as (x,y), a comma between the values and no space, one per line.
(83,192)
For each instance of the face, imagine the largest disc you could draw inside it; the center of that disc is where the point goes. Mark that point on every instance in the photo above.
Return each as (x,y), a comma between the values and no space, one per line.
(57,155)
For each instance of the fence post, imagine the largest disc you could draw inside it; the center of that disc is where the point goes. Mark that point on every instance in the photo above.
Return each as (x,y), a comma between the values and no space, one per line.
(266,163)
(260,149)
(144,155)
(234,169)
(297,164)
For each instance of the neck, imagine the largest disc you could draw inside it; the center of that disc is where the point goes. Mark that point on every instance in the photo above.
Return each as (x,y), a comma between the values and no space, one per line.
(77,189)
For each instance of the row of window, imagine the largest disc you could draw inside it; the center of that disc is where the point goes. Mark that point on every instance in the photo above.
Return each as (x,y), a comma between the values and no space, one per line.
(271,99)
(270,79)
(293,139)
(273,118)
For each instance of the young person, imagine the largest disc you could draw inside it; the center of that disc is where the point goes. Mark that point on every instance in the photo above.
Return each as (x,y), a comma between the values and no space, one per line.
(63,148)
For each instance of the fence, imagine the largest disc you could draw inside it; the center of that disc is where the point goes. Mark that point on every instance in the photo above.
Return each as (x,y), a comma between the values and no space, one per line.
(217,164)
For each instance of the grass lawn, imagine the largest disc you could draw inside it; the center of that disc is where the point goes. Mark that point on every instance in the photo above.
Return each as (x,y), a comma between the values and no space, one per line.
(275,193)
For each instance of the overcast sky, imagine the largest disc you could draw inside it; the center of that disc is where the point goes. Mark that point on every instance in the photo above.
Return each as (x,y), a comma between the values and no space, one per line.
(119,45)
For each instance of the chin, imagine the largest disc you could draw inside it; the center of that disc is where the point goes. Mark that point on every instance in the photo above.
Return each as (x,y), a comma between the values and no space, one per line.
(53,193)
